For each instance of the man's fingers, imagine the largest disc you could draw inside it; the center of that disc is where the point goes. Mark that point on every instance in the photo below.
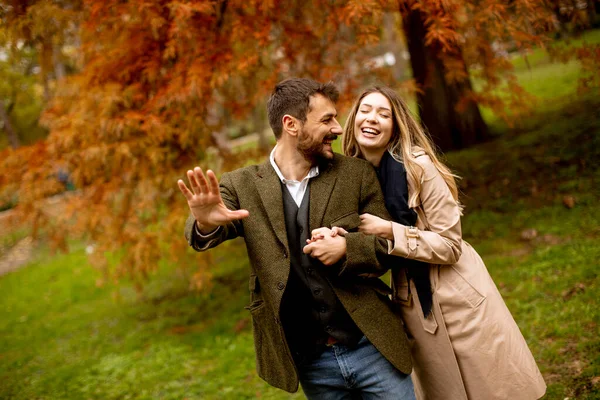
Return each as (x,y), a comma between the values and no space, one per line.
(213,183)
(316,237)
(184,189)
(313,250)
(308,248)
(203,185)
(193,182)
(320,232)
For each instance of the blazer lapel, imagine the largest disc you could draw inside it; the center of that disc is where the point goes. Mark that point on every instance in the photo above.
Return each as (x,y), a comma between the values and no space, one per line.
(269,188)
(320,193)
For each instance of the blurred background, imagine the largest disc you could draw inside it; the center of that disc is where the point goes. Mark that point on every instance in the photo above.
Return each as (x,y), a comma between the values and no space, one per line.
(105,104)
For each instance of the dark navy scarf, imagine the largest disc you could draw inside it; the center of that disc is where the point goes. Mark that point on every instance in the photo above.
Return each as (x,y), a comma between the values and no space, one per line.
(392,177)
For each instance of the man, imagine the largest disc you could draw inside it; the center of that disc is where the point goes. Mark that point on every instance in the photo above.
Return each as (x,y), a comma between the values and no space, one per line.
(321,318)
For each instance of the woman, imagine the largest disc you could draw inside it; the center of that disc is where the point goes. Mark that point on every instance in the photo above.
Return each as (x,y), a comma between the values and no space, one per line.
(466,345)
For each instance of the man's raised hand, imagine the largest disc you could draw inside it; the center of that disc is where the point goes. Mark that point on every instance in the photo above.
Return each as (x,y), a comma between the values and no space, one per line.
(205,201)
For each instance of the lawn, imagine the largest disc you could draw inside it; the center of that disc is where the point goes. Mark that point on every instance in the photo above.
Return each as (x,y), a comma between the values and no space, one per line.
(532,200)
(65,338)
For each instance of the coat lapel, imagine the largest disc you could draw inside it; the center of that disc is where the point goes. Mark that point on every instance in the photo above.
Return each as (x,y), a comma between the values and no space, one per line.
(320,193)
(269,188)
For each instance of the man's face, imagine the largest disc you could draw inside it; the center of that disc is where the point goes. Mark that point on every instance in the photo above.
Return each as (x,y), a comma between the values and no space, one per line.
(319,131)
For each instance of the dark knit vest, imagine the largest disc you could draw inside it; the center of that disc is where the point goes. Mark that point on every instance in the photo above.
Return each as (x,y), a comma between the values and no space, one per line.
(311,311)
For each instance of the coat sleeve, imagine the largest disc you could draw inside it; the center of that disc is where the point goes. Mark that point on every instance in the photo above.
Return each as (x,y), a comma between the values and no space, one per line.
(224,232)
(442,242)
(367,255)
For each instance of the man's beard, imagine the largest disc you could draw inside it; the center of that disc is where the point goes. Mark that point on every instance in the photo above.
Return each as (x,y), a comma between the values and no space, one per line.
(313,151)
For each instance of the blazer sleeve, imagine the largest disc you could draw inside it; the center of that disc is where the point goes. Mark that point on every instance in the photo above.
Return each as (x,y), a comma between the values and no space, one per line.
(442,242)
(224,232)
(367,255)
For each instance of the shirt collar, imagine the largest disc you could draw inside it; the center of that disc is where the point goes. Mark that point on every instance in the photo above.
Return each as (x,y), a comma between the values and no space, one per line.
(314,171)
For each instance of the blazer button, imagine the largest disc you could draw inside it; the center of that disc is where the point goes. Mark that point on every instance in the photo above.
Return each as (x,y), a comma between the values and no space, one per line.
(280,285)
(285,254)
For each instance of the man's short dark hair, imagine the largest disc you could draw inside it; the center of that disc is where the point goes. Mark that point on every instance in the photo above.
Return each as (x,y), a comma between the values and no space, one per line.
(292,96)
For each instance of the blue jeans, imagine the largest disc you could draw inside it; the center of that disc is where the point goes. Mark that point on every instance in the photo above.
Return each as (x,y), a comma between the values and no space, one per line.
(359,372)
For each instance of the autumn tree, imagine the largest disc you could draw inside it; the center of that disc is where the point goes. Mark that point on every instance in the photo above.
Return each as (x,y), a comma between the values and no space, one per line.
(35,37)
(145,107)
(159,80)
(451,43)
(20,104)
(440,71)
(46,26)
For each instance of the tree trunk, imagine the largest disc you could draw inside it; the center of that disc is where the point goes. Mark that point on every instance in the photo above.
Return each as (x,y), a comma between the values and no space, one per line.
(449,128)
(13,138)
(561,19)
(591,12)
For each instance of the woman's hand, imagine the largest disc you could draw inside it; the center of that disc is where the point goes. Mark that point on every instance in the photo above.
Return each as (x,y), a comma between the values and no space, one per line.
(320,233)
(373,225)
(336,230)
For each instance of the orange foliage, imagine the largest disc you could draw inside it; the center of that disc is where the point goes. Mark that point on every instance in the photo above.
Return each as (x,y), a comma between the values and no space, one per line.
(483,35)
(144,106)
(155,73)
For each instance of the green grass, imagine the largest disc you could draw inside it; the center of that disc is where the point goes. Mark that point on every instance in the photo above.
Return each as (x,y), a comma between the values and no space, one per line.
(64,337)
(537,57)
(552,84)
(549,283)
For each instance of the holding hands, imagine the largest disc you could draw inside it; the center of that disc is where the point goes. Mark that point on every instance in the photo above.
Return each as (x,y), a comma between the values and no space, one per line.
(329,245)
(205,201)
(369,225)
(326,246)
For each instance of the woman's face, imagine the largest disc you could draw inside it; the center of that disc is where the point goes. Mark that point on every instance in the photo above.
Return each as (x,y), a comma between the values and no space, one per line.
(373,124)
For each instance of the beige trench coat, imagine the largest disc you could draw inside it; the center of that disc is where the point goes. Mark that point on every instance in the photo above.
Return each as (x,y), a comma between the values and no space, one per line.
(469,347)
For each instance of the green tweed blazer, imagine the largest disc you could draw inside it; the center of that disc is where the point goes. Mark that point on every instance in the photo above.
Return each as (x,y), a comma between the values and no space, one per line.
(344,189)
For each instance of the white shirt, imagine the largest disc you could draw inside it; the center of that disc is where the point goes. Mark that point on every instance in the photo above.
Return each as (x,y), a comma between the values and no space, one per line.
(296,188)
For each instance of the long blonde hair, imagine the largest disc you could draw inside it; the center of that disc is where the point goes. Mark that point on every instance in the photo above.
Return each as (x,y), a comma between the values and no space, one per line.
(407,134)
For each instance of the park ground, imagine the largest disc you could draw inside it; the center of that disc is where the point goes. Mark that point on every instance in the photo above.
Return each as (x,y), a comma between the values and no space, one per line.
(532,196)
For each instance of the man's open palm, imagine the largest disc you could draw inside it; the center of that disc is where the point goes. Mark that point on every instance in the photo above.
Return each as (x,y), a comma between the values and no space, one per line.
(205,201)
